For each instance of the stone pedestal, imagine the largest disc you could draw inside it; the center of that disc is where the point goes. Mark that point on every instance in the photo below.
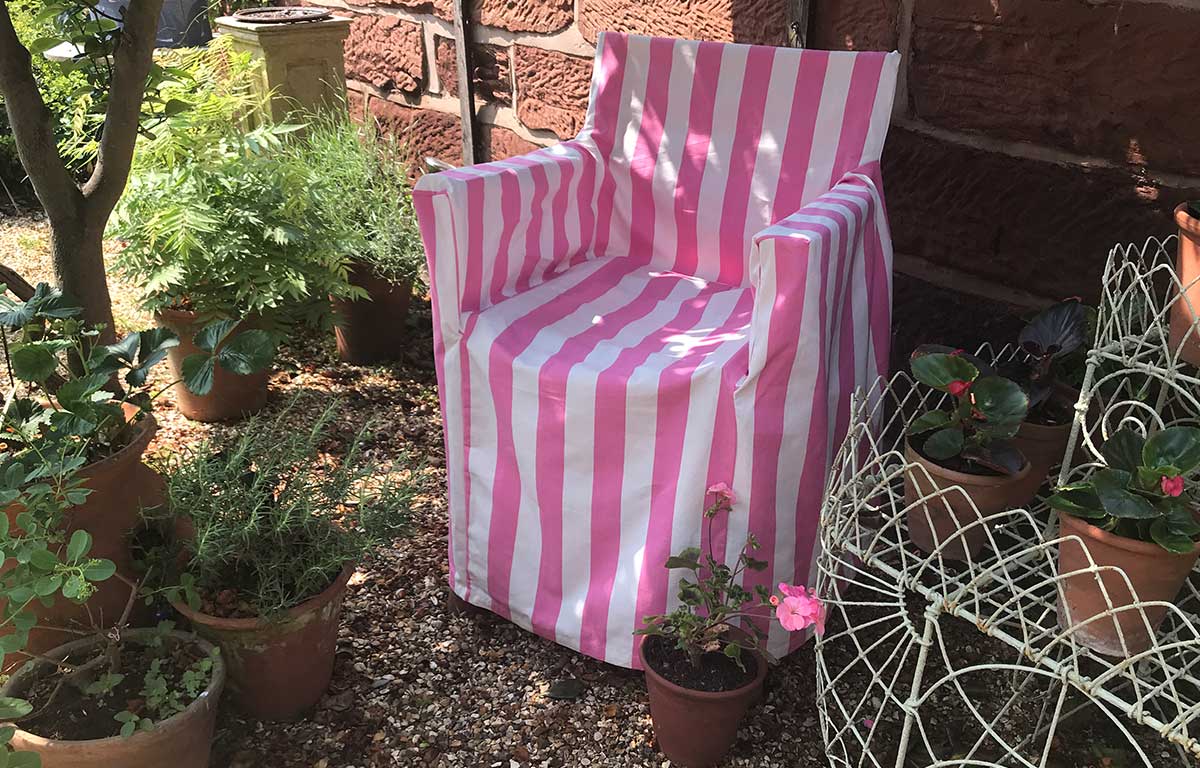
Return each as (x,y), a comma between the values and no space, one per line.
(303,64)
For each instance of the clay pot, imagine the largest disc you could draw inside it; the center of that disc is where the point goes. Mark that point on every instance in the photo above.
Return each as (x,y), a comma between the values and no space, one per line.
(278,668)
(182,741)
(370,330)
(232,396)
(1187,267)
(695,729)
(121,487)
(1154,573)
(942,519)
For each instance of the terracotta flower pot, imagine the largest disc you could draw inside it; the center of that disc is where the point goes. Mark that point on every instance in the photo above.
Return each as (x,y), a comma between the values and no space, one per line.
(278,668)
(1187,266)
(1154,573)
(950,520)
(121,487)
(182,741)
(695,729)
(369,331)
(232,396)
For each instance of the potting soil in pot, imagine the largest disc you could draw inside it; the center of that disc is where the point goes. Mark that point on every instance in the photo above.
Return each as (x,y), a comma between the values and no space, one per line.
(717,672)
(74,716)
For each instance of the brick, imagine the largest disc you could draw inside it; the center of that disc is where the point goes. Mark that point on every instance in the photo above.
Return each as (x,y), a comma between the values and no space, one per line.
(493,82)
(425,133)
(386,52)
(1106,79)
(441,8)
(500,143)
(356,105)
(552,89)
(525,15)
(1041,227)
(855,25)
(744,21)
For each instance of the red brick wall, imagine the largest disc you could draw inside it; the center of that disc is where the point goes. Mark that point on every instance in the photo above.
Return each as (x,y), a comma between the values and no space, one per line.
(1033,134)
(533,61)
(1030,135)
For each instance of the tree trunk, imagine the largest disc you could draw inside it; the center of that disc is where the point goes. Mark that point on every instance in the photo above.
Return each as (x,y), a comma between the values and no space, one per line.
(78,247)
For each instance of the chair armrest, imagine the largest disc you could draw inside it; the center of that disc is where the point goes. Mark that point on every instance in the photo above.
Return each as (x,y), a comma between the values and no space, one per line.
(822,280)
(494,229)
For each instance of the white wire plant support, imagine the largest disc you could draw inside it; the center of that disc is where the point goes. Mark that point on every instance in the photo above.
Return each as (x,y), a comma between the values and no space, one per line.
(928,662)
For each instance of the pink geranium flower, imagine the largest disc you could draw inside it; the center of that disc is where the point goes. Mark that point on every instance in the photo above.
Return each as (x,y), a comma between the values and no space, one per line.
(799,610)
(1172,486)
(722,490)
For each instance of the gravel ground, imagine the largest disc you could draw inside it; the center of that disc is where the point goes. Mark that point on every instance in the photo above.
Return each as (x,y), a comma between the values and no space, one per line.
(416,684)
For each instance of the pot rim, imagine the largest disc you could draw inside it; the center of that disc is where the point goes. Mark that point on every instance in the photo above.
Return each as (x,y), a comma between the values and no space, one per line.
(211,693)
(912,456)
(1137,546)
(146,428)
(1185,222)
(689,693)
(255,623)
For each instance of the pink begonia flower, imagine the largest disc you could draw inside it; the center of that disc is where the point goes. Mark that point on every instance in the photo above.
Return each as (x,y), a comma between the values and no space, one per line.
(723,490)
(1172,486)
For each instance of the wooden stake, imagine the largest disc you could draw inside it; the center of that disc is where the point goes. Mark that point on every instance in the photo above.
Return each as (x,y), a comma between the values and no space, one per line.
(466,81)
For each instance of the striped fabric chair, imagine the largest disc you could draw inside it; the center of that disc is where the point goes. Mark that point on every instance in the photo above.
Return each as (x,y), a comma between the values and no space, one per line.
(685,294)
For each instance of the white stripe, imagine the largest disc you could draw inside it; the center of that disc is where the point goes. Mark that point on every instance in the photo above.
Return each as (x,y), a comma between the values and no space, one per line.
(828,128)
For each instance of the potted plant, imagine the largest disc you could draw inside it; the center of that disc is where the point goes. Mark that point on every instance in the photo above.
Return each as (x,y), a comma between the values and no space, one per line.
(1185,337)
(223,234)
(1050,338)
(62,702)
(1136,515)
(60,411)
(365,194)
(961,464)
(267,534)
(135,698)
(705,662)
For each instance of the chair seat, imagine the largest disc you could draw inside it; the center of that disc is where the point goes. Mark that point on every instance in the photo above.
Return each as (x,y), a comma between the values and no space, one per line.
(618,323)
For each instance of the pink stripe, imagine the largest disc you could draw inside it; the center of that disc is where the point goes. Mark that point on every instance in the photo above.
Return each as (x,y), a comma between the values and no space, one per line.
(798,146)
(644,164)
(533,235)
(551,443)
(510,214)
(856,123)
(506,490)
(465,374)
(606,110)
(472,298)
(674,398)
(722,457)
(608,472)
(736,205)
(558,214)
(695,155)
(587,213)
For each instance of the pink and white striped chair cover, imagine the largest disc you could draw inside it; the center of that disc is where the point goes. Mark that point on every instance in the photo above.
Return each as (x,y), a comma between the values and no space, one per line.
(684,294)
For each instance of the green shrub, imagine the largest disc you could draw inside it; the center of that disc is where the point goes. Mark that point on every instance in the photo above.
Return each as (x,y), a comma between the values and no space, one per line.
(363,190)
(275,518)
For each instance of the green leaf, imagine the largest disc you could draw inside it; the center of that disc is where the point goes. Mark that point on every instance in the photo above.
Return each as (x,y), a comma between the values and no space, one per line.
(928,421)
(938,370)
(78,392)
(1173,447)
(1124,450)
(945,444)
(43,559)
(1168,539)
(688,559)
(198,372)
(33,362)
(24,760)
(100,570)
(247,352)
(1003,404)
(211,335)
(1111,486)
(80,545)
(14,709)
(1079,501)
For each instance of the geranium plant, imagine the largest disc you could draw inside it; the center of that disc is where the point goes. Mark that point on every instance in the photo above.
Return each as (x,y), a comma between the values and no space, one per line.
(1047,342)
(715,606)
(1143,493)
(982,414)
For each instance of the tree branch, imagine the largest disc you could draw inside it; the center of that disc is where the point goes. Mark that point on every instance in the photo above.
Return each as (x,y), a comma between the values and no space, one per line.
(33,126)
(131,66)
